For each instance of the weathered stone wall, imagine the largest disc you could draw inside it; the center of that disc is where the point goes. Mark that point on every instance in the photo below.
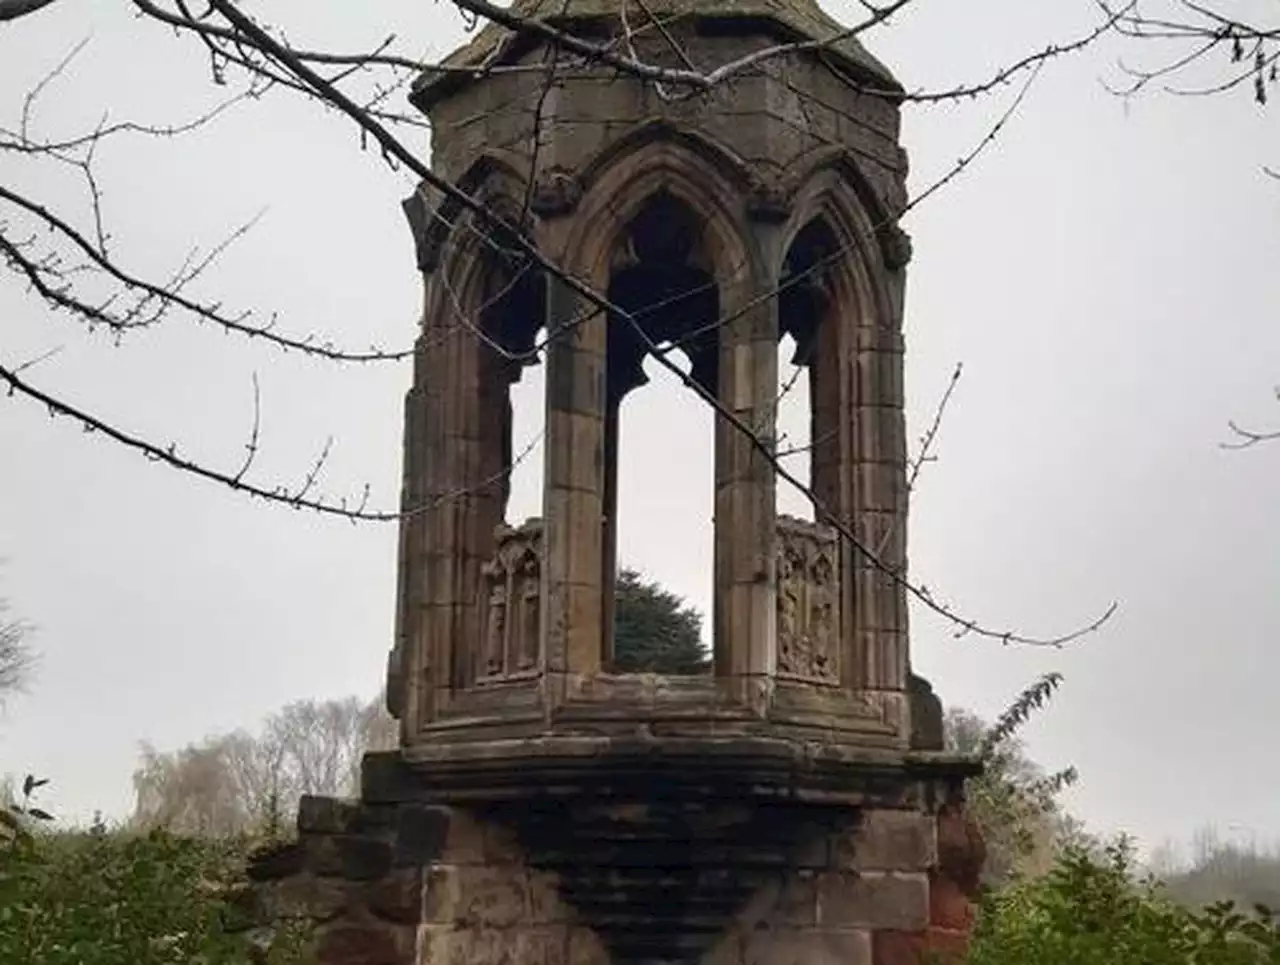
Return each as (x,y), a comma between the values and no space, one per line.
(770,116)
(544,885)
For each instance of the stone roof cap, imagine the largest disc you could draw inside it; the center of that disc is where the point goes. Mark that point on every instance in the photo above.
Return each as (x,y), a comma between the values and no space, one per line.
(793,20)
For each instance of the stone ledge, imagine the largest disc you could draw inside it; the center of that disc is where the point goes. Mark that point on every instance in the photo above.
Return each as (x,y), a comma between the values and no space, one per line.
(749,768)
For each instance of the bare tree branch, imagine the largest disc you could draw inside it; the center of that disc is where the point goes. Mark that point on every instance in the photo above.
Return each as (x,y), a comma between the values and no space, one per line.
(1244,438)
(13,9)
(296,497)
(239,39)
(152,300)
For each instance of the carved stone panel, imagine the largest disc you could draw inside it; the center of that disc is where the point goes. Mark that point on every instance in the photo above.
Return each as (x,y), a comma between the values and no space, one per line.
(808,601)
(510,604)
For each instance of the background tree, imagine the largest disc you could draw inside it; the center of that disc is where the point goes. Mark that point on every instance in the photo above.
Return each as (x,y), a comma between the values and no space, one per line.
(1218,869)
(242,782)
(655,630)
(17,659)
(1015,801)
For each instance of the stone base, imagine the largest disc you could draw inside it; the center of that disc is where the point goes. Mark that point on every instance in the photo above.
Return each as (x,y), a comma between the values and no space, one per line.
(627,879)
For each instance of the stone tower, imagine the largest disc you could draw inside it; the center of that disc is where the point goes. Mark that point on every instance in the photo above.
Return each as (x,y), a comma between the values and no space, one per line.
(792,807)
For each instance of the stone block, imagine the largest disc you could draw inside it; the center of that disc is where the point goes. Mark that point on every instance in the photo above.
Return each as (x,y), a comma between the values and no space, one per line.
(276,862)
(422,834)
(791,900)
(545,906)
(891,947)
(464,838)
(480,945)
(349,857)
(888,840)
(363,859)
(502,845)
(586,948)
(576,449)
(302,896)
(397,897)
(331,815)
(476,895)
(873,900)
(364,943)
(784,946)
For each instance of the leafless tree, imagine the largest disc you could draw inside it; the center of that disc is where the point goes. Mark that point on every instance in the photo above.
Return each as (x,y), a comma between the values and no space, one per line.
(17,659)
(75,268)
(1197,49)
(1243,437)
(242,782)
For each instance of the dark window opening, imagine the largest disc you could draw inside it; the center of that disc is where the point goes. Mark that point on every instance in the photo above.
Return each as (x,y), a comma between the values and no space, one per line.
(807,417)
(513,409)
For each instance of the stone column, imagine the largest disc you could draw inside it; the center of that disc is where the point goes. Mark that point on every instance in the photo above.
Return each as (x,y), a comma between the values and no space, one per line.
(573,493)
(878,501)
(859,474)
(745,534)
(453,491)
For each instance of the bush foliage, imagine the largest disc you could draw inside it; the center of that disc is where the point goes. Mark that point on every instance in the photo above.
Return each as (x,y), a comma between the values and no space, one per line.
(1091,909)
(103,898)
(122,897)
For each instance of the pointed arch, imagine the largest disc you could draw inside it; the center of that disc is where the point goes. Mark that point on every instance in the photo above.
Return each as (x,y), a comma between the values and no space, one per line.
(696,143)
(494,178)
(873,210)
(649,160)
(829,197)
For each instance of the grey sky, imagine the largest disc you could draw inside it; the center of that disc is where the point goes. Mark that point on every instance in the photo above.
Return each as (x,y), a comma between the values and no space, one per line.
(1106,274)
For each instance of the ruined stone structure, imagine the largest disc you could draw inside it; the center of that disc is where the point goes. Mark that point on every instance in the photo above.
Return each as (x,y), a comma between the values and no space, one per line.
(790,808)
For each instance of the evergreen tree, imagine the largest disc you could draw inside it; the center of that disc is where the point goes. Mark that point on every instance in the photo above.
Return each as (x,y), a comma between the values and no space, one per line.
(655,631)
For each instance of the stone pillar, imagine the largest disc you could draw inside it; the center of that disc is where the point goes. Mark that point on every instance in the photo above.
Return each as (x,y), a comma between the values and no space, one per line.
(878,503)
(454,492)
(859,473)
(745,616)
(573,494)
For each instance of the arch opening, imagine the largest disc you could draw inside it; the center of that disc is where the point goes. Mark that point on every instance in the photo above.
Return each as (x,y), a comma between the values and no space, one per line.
(668,298)
(510,421)
(513,329)
(806,409)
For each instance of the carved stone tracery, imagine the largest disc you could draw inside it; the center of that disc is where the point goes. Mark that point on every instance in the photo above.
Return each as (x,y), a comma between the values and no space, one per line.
(808,601)
(510,603)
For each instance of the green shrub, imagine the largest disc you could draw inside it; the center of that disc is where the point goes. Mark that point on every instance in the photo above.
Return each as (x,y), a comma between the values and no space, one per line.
(1090,910)
(102,897)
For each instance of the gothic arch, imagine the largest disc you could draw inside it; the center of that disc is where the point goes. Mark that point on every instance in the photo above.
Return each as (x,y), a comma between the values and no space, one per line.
(653,159)
(653,131)
(835,173)
(827,195)
(493,179)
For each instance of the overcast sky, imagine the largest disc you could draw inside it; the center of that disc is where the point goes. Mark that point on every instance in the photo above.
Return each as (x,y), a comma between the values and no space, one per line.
(1106,272)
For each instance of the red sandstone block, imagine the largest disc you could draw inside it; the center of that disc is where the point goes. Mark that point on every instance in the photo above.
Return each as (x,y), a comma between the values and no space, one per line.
(931,947)
(961,850)
(949,907)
